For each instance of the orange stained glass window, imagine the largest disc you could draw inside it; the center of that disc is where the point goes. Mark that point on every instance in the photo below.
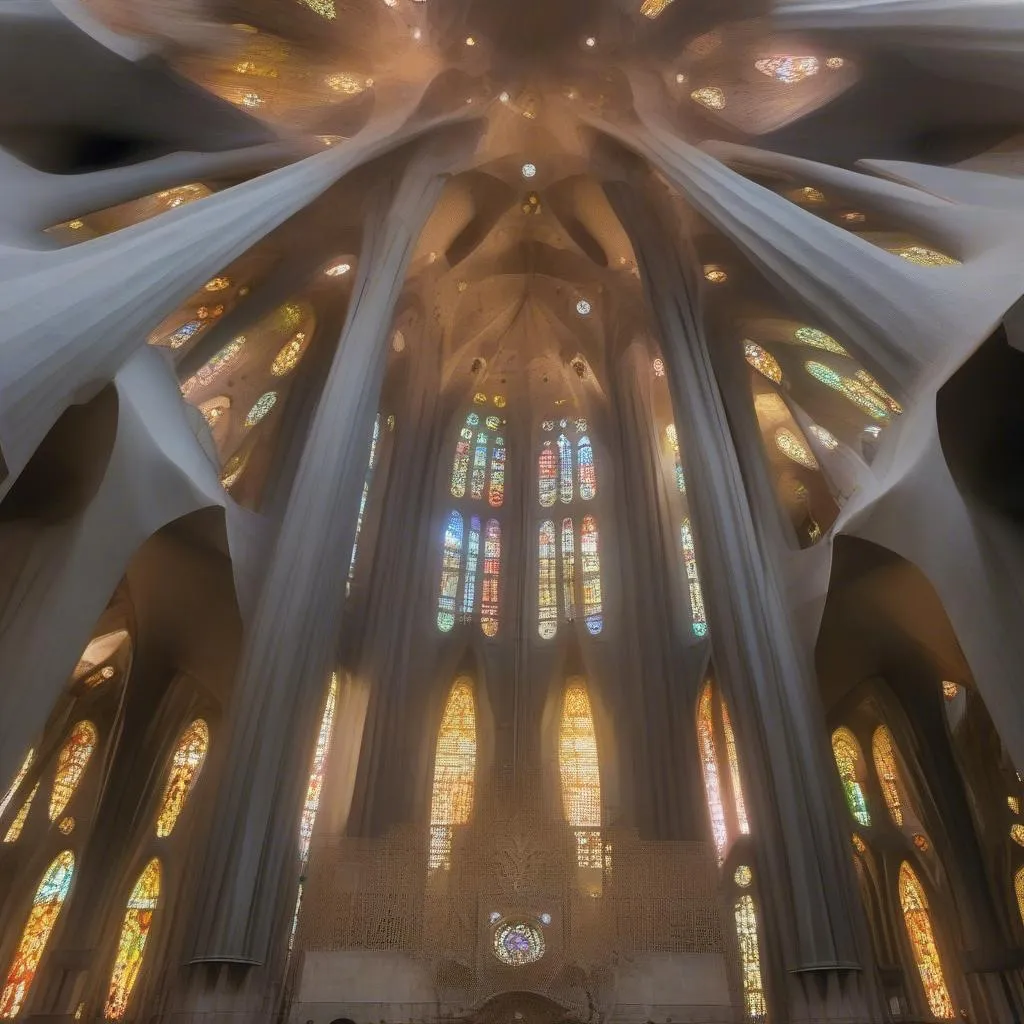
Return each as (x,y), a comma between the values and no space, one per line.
(846,751)
(922,942)
(580,774)
(734,772)
(17,781)
(709,767)
(186,764)
(131,945)
(46,907)
(547,581)
(71,764)
(750,958)
(316,772)
(492,578)
(885,764)
(1018,888)
(451,802)
(18,822)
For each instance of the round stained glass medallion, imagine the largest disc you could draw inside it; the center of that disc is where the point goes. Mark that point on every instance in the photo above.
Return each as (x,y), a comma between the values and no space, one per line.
(518,943)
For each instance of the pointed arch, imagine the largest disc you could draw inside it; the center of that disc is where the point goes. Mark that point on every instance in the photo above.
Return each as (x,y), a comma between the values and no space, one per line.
(884,755)
(72,761)
(591,559)
(580,774)
(587,473)
(918,922)
(472,564)
(565,488)
(547,475)
(709,767)
(186,764)
(451,567)
(451,801)
(846,751)
(46,906)
(492,579)
(131,944)
(734,771)
(547,581)
(496,485)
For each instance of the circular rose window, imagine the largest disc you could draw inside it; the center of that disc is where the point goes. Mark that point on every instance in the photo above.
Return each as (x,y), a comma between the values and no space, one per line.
(517,943)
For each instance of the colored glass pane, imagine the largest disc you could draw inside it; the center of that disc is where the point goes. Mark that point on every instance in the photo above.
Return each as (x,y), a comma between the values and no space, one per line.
(316,773)
(813,338)
(885,764)
(451,565)
(568,570)
(734,771)
(580,774)
(472,564)
(260,408)
(71,764)
(131,945)
(17,781)
(924,257)
(564,469)
(518,943)
(1016,832)
(547,472)
(854,390)
(451,802)
(587,474)
(492,579)
(212,369)
(1018,888)
(762,361)
(865,378)
(750,958)
(288,358)
(793,448)
(673,443)
(547,581)
(18,822)
(186,764)
(699,619)
(479,474)
(496,485)
(591,563)
(846,751)
(46,907)
(787,69)
(709,766)
(367,483)
(709,96)
(183,333)
(922,942)
(460,465)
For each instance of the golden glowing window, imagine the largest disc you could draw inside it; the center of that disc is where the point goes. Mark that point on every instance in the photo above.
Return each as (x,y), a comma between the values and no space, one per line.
(316,774)
(71,764)
(734,771)
(764,362)
(131,946)
(793,448)
(580,774)
(451,803)
(1018,888)
(14,831)
(709,96)
(918,921)
(186,764)
(924,257)
(709,766)
(888,777)
(17,781)
(750,958)
(846,751)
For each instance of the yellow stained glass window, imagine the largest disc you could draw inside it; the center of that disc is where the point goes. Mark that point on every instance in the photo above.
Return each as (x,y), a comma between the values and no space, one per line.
(451,803)
(547,581)
(316,774)
(793,448)
(17,781)
(846,751)
(865,378)
(131,945)
(1016,832)
(924,257)
(922,942)
(288,358)
(750,958)
(46,906)
(763,361)
(734,771)
(186,764)
(18,823)
(709,767)
(71,764)
(1018,888)
(709,96)
(580,774)
(888,778)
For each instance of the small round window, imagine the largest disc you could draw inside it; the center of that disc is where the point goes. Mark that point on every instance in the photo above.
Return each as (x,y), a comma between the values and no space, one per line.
(517,943)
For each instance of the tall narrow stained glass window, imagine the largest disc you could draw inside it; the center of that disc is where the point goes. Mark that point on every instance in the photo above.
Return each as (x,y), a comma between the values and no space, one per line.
(451,802)
(460,465)
(734,771)
(496,487)
(580,774)
(568,570)
(587,474)
(17,781)
(1018,888)
(186,764)
(699,619)
(918,921)
(565,488)
(888,776)
(492,579)
(71,764)
(709,766)
(547,581)
(472,563)
(18,822)
(591,561)
(131,946)
(750,958)
(547,474)
(451,567)
(367,483)
(673,442)
(846,751)
(46,907)
(479,473)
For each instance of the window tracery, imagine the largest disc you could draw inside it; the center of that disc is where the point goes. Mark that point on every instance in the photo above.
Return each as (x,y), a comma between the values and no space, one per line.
(860,394)
(451,803)
(131,945)
(371,465)
(846,751)
(918,922)
(888,777)
(71,764)
(814,338)
(580,774)
(186,764)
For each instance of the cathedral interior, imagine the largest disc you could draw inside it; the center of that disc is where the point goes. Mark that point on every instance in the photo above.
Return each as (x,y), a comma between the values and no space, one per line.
(511,513)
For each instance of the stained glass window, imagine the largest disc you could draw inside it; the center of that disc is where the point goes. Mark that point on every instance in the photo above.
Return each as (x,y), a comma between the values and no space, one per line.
(367,483)
(709,96)
(823,436)
(793,448)
(787,69)
(18,823)
(580,774)
(734,771)
(762,361)
(316,773)
(587,476)
(547,581)
(71,764)
(460,466)
(885,764)
(547,472)
(1016,832)
(854,390)
(183,333)
(46,906)
(262,406)
(472,564)
(186,764)
(492,578)
(17,781)
(591,561)
(846,751)
(451,803)
(477,477)
(131,945)
(288,358)
(750,958)
(564,469)
(217,364)
(813,338)
(451,564)
(924,257)
(673,442)
(709,766)
(568,570)
(700,622)
(865,378)
(922,942)
(518,943)
(1018,888)
(496,487)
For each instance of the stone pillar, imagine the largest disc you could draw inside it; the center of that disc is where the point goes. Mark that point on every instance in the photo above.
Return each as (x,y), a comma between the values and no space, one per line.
(290,647)
(803,853)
